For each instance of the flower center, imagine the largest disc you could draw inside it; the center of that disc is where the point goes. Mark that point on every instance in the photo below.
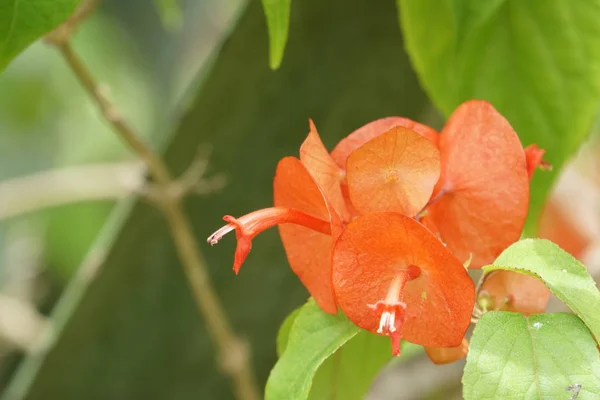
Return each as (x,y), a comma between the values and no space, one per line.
(392,310)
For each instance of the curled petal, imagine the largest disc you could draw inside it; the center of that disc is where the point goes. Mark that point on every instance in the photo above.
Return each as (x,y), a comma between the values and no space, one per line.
(244,243)
(324,171)
(373,129)
(480,204)
(308,251)
(395,171)
(374,251)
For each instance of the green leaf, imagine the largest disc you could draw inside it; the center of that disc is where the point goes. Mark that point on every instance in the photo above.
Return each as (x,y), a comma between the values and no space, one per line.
(127,328)
(562,273)
(350,371)
(24,21)
(315,335)
(326,357)
(277,13)
(284,331)
(537,357)
(536,61)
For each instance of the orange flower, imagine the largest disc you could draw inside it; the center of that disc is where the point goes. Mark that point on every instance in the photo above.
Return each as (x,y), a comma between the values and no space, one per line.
(393,277)
(511,291)
(308,224)
(350,221)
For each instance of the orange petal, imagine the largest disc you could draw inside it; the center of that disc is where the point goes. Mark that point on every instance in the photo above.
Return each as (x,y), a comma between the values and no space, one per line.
(373,129)
(395,171)
(324,170)
(369,255)
(511,291)
(480,203)
(308,252)
(447,355)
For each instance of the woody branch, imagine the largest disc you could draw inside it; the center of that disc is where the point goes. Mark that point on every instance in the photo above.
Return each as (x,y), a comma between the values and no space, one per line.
(234,355)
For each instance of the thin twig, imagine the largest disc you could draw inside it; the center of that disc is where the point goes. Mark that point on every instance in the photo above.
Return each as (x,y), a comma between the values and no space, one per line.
(234,355)
(69,185)
(112,115)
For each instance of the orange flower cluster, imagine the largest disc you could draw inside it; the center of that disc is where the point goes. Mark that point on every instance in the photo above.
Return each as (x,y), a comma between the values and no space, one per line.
(381,226)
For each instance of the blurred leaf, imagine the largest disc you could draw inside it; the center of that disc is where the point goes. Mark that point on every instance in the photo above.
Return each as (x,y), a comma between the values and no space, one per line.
(314,337)
(536,61)
(128,328)
(537,357)
(277,13)
(564,275)
(170,14)
(70,233)
(23,22)
(312,368)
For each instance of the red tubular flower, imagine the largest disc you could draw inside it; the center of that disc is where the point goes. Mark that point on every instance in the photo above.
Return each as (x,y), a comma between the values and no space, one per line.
(308,249)
(393,277)
(307,219)
(480,203)
(250,225)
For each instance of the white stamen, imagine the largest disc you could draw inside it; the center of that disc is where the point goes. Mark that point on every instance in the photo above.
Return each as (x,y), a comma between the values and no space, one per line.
(218,235)
(387,322)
